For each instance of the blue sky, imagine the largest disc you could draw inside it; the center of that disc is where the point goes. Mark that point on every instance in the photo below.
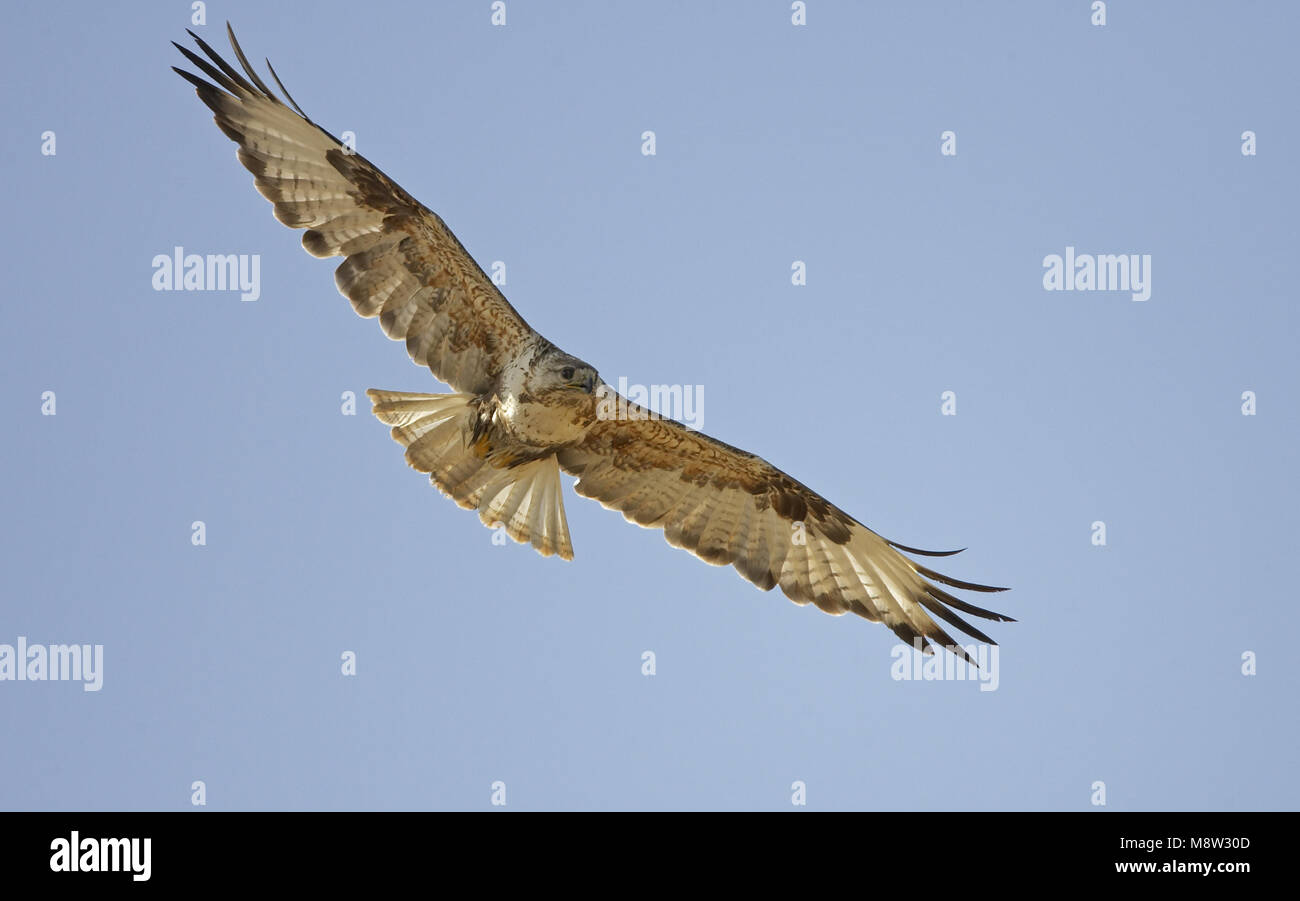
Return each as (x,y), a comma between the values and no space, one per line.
(775,143)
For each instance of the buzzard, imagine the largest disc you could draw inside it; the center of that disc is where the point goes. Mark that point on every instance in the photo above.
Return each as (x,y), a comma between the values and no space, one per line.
(524,410)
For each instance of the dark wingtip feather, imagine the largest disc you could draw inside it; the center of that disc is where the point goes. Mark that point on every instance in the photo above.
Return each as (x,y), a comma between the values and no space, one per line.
(953,619)
(955,583)
(216,75)
(287,95)
(225,67)
(911,637)
(952,601)
(193,79)
(213,98)
(243,61)
(954,648)
(917,550)
(945,641)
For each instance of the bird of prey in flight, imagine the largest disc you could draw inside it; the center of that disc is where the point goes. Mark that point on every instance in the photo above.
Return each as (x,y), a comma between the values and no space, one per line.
(524,410)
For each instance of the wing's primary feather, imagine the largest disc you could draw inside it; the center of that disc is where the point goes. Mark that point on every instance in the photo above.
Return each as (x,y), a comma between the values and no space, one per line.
(401,263)
(728,506)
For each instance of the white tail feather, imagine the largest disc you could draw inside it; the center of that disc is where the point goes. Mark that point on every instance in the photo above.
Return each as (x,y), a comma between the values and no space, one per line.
(437,432)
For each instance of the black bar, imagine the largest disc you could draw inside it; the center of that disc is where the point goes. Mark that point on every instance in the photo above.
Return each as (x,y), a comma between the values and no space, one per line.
(209,849)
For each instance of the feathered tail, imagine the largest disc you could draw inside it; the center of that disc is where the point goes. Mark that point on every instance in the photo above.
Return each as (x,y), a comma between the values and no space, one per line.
(521,494)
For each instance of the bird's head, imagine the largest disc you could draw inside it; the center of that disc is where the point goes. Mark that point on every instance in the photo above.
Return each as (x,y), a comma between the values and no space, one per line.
(560,373)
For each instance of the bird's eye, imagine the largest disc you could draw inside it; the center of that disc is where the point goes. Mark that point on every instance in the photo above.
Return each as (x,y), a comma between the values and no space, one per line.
(566,372)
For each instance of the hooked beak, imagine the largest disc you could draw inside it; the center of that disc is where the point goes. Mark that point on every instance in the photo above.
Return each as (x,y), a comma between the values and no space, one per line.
(589,383)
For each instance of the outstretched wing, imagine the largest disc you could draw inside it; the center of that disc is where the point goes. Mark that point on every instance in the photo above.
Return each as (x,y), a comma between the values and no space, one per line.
(728,506)
(402,262)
